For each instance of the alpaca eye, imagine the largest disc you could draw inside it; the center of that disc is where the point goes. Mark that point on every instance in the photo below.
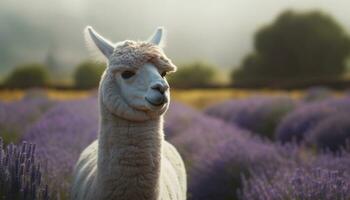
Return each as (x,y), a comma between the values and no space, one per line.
(163,74)
(127,74)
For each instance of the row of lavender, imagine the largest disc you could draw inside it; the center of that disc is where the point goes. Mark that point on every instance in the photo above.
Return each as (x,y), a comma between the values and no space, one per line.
(321,124)
(60,130)
(224,154)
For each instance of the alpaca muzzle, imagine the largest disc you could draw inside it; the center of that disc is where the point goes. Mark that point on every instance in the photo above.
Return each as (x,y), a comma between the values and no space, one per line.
(157,94)
(157,100)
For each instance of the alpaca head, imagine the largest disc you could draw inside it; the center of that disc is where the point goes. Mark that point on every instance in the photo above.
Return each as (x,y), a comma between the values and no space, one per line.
(134,86)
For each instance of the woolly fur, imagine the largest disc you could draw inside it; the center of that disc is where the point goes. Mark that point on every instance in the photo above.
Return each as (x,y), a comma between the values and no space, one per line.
(135,54)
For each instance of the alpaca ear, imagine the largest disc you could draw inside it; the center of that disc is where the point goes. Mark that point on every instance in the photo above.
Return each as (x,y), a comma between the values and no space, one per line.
(158,37)
(105,46)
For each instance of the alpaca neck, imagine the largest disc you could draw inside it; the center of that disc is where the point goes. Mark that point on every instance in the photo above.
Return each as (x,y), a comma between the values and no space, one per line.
(129,158)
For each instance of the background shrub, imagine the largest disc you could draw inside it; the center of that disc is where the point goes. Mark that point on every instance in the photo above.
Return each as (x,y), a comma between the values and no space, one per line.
(260,114)
(298,124)
(28,76)
(331,133)
(310,45)
(88,75)
(196,74)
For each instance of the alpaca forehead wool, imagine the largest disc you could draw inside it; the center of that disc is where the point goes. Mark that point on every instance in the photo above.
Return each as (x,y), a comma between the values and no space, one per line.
(133,55)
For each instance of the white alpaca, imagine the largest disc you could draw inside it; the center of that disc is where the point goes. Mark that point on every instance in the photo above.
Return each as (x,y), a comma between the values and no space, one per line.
(130,160)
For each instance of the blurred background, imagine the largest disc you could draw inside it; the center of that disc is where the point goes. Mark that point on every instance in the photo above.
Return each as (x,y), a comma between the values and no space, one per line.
(241,43)
(260,101)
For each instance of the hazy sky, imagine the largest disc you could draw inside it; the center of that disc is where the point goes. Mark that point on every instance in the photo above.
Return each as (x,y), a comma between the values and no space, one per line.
(219,31)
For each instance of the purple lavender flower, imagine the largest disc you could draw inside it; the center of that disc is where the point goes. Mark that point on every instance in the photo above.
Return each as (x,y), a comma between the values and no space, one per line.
(202,137)
(194,133)
(218,175)
(21,176)
(296,124)
(258,114)
(299,183)
(325,178)
(16,117)
(339,161)
(331,133)
(61,134)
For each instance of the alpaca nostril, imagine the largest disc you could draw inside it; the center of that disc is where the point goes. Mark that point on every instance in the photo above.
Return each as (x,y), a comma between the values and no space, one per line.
(160,88)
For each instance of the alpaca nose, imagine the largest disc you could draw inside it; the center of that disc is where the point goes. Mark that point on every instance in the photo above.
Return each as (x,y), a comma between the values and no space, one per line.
(161,88)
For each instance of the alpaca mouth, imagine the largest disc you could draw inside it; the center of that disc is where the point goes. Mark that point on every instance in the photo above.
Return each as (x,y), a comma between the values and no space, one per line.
(159,102)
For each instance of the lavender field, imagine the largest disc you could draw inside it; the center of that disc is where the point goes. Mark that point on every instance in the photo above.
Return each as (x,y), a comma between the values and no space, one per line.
(255,148)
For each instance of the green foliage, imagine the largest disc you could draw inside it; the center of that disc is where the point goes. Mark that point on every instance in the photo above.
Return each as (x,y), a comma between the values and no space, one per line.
(88,74)
(196,74)
(308,45)
(28,76)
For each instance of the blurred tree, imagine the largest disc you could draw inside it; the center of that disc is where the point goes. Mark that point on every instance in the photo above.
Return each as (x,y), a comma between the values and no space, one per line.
(28,76)
(88,74)
(296,46)
(195,74)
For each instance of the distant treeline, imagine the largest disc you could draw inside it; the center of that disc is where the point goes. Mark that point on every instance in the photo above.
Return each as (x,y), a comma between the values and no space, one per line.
(297,50)
(87,76)
(191,75)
